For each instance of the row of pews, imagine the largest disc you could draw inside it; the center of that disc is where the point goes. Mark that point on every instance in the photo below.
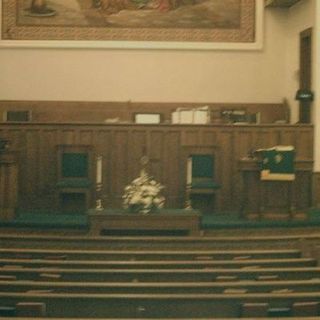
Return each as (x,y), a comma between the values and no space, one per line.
(109,278)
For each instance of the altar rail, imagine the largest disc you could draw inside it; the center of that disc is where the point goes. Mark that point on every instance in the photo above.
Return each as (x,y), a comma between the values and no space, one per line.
(122,145)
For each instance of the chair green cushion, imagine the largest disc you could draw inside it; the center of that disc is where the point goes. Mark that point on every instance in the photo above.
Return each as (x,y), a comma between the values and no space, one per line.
(205,185)
(74,183)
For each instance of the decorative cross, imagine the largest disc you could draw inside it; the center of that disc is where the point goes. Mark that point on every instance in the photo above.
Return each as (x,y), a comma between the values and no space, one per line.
(144,163)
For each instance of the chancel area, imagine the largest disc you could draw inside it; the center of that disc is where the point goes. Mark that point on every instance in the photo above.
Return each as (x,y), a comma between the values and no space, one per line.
(158,182)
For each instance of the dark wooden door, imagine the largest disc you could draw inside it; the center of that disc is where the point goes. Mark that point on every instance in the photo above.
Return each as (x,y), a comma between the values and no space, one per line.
(305,73)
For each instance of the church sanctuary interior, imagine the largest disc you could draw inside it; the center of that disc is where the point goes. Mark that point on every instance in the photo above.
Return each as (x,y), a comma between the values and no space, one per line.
(160,159)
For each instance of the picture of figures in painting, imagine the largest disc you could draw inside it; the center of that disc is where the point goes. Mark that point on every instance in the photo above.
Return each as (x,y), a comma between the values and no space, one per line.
(193,14)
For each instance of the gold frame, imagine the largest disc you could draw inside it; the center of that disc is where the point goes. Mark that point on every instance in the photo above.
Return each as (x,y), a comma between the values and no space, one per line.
(248,36)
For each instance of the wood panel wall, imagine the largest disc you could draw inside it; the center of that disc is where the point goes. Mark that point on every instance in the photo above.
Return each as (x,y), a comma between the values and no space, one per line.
(123,145)
(316,189)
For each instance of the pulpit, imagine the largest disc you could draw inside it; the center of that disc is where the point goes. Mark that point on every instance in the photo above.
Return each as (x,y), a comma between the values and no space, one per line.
(275,199)
(8,185)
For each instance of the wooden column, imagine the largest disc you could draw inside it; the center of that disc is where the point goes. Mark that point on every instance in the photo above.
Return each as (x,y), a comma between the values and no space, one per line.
(8,186)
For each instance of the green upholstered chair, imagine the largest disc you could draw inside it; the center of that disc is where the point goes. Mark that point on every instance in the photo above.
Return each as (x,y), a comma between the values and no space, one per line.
(203,172)
(203,183)
(74,170)
(74,183)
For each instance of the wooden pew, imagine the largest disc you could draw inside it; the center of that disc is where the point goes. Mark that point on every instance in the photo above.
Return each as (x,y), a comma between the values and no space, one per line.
(31,309)
(159,264)
(256,310)
(7,311)
(305,309)
(157,275)
(247,318)
(250,286)
(65,254)
(154,305)
(160,243)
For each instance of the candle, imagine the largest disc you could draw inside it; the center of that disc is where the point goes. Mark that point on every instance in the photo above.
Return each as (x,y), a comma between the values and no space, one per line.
(99,170)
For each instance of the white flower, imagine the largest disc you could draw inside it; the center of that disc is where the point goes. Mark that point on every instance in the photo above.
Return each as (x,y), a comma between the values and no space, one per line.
(148,201)
(143,192)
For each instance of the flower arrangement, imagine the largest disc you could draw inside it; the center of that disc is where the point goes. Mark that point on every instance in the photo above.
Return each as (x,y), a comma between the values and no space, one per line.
(143,194)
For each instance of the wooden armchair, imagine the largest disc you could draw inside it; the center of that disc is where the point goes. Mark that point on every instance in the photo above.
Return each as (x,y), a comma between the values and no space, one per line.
(74,177)
(202,177)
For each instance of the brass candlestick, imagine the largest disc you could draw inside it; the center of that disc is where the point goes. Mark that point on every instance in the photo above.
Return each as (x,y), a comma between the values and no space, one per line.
(99,205)
(188,203)
(99,180)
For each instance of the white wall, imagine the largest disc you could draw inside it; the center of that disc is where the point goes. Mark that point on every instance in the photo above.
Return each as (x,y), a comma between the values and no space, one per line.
(142,75)
(300,17)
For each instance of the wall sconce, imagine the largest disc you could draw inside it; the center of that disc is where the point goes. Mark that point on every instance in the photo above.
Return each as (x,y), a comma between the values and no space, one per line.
(304,95)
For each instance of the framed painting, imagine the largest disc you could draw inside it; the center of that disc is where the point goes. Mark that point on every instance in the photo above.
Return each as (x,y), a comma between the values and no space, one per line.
(185,24)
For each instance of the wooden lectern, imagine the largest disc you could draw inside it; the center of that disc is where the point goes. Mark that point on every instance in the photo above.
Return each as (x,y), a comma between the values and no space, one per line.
(8,185)
(272,198)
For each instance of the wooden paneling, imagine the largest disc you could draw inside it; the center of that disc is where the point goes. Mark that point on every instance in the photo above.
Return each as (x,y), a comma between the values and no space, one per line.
(8,185)
(208,137)
(121,151)
(174,192)
(156,147)
(304,144)
(316,190)
(227,149)
(123,145)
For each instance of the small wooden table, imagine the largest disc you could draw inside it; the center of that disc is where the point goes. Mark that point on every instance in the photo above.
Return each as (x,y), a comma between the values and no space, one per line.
(179,220)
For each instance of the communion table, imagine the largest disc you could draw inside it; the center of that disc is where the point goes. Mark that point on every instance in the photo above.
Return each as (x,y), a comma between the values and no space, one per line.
(164,222)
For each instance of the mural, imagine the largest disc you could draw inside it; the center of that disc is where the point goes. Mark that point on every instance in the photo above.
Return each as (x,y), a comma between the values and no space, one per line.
(146,20)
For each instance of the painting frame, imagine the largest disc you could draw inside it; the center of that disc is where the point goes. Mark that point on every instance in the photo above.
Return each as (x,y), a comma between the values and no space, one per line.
(256,44)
